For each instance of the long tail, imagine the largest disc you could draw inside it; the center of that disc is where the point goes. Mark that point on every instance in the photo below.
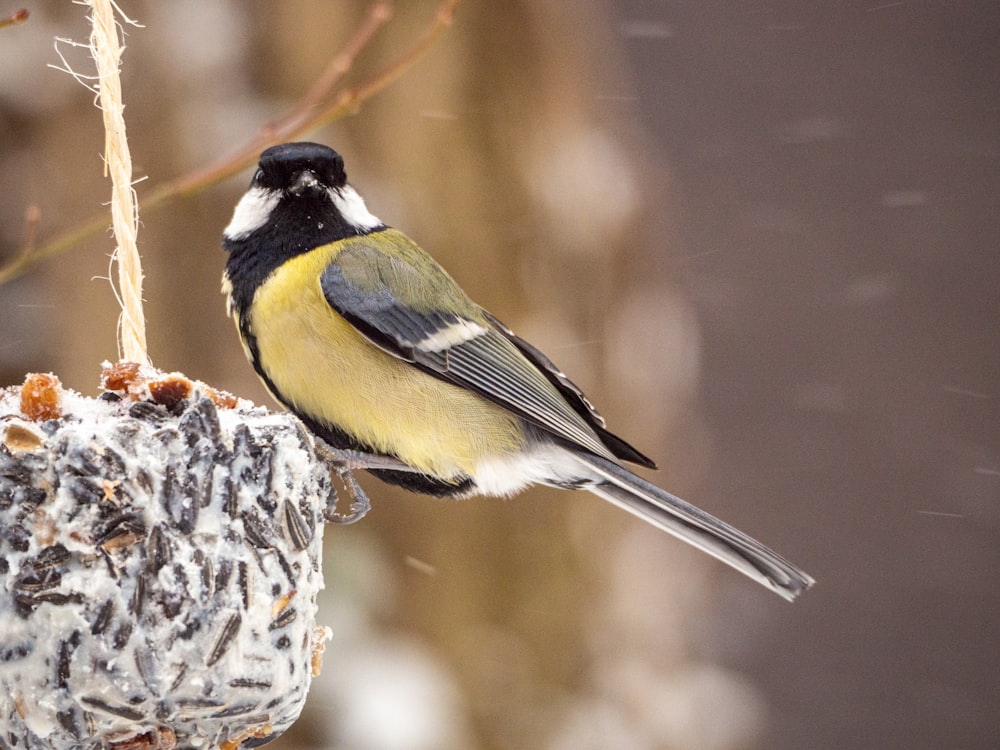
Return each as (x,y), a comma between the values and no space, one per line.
(675,516)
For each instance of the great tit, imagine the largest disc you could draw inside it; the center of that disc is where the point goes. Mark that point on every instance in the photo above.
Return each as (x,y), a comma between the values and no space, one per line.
(370,342)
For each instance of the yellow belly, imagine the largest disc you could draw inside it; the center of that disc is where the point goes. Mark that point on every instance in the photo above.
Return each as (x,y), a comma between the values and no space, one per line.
(323,367)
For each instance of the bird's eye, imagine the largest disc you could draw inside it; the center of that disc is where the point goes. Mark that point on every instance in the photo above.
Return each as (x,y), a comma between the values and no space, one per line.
(258,175)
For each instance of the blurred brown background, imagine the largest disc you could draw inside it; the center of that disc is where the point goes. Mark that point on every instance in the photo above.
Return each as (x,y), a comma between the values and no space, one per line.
(762,235)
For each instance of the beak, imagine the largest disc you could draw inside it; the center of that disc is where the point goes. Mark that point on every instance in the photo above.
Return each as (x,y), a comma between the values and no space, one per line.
(305,182)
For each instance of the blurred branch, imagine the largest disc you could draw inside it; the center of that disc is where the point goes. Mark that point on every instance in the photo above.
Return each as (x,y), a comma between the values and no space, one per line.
(321,104)
(18,16)
(298,119)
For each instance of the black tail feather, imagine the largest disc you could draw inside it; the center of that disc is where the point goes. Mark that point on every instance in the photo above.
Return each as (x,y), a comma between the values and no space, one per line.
(693,525)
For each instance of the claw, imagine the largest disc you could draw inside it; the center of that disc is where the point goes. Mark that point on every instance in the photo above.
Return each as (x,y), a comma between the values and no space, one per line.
(360,505)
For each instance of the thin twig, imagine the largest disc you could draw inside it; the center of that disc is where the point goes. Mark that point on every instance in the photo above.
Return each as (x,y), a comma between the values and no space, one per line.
(351,99)
(294,122)
(18,16)
(307,115)
(378,15)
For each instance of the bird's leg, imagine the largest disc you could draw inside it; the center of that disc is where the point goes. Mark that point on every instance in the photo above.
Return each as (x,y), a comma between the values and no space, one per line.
(343,463)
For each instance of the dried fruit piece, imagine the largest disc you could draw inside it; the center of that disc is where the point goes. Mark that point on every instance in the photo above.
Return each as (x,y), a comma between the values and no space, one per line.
(225,399)
(137,383)
(41,397)
(320,635)
(19,439)
(170,390)
(119,376)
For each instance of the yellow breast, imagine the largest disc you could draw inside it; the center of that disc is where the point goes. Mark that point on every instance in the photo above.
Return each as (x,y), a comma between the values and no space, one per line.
(327,371)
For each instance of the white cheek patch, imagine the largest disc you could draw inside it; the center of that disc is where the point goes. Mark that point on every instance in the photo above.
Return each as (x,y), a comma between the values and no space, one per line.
(252,212)
(352,207)
(457,333)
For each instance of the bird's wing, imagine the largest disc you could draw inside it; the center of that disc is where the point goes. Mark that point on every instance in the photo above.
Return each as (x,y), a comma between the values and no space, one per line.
(574,396)
(407,305)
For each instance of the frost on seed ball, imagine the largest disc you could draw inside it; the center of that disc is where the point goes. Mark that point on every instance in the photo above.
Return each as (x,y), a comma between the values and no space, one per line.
(159,566)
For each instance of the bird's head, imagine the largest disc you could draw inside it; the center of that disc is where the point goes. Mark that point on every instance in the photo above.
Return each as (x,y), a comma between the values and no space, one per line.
(300,191)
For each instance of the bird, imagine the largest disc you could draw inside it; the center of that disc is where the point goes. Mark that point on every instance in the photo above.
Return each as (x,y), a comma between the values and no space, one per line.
(363,336)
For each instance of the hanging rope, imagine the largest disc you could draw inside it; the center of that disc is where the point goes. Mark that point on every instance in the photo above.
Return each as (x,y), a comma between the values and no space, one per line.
(107,47)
